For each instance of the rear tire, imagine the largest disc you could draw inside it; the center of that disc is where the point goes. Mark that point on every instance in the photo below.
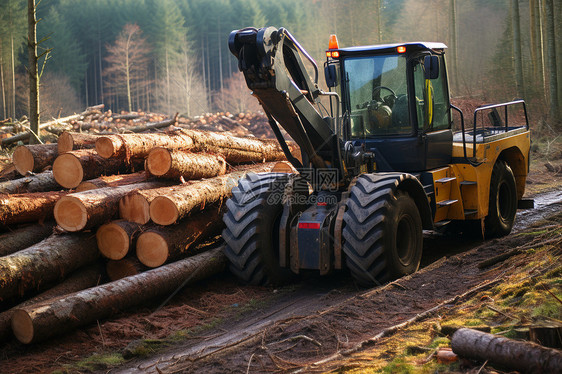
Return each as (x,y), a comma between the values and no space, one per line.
(252,229)
(503,201)
(382,235)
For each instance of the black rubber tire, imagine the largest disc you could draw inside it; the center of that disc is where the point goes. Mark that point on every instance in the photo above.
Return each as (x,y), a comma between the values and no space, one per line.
(382,232)
(251,233)
(503,201)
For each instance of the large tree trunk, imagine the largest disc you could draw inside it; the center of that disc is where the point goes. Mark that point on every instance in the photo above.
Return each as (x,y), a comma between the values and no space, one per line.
(73,167)
(175,164)
(159,245)
(536,45)
(45,262)
(517,48)
(551,59)
(83,210)
(70,141)
(116,238)
(24,237)
(40,321)
(33,70)
(34,158)
(112,181)
(170,204)
(32,183)
(118,269)
(28,207)
(140,145)
(79,280)
(521,356)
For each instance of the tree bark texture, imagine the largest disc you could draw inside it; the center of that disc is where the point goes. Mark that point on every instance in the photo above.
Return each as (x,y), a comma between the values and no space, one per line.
(159,245)
(84,210)
(517,355)
(112,181)
(40,321)
(175,164)
(551,58)
(33,71)
(116,238)
(28,207)
(118,269)
(34,158)
(517,56)
(170,204)
(70,141)
(79,280)
(48,261)
(24,237)
(71,168)
(40,182)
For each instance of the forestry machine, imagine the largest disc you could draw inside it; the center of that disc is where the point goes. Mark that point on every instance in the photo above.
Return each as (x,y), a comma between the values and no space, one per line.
(380,161)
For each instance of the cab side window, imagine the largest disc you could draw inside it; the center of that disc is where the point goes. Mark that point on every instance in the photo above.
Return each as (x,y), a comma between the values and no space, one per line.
(432,102)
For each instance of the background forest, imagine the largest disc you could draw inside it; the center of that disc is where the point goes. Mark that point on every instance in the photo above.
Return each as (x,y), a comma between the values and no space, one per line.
(172,55)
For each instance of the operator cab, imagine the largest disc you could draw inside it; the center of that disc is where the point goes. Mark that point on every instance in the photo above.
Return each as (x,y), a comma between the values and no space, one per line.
(395,100)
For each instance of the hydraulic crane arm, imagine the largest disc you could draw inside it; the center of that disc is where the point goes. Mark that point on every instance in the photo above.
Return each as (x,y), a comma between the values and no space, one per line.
(271,61)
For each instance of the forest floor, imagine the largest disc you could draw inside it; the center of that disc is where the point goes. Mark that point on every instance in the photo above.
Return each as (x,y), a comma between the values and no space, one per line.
(328,324)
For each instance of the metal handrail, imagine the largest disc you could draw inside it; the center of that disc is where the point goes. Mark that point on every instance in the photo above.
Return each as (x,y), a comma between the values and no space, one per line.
(283,30)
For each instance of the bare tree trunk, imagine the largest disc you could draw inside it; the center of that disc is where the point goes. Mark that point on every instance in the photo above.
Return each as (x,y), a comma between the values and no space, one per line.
(40,321)
(454,47)
(176,164)
(551,58)
(558,33)
(536,45)
(13,81)
(24,237)
(41,182)
(518,64)
(34,116)
(28,207)
(2,84)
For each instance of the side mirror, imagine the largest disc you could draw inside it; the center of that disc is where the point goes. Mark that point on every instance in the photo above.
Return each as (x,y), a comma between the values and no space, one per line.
(331,75)
(431,67)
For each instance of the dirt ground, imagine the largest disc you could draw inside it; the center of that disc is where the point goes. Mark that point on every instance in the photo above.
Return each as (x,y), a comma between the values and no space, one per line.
(222,326)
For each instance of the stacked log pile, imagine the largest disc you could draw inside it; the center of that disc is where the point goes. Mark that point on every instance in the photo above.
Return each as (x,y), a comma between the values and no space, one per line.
(93,184)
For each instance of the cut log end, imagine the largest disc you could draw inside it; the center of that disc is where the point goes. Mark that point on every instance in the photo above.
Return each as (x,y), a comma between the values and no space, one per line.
(134,208)
(163,211)
(23,159)
(152,249)
(70,214)
(113,241)
(159,161)
(22,325)
(68,171)
(107,147)
(65,143)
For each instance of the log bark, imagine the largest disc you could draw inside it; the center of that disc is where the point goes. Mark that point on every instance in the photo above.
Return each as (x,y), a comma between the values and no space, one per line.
(73,167)
(40,321)
(116,238)
(24,237)
(140,145)
(28,207)
(118,269)
(112,181)
(34,158)
(79,280)
(173,203)
(48,261)
(512,354)
(84,210)
(69,141)
(175,164)
(153,125)
(159,245)
(31,183)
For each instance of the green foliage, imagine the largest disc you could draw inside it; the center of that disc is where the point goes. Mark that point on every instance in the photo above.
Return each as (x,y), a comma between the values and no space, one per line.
(399,366)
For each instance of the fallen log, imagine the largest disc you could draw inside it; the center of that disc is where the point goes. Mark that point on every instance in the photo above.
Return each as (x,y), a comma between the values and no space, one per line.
(40,182)
(153,125)
(118,269)
(112,181)
(87,209)
(71,168)
(173,164)
(45,262)
(28,207)
(116,238)
(79,280)
(513,354)
(170,204)
(24,237)
(40,321)
(159,245)
(34,158)
(69,141)
(140,145)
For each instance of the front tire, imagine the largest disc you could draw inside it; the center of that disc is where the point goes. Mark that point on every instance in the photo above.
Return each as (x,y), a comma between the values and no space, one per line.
(382,235)
(252,229)
(503,201)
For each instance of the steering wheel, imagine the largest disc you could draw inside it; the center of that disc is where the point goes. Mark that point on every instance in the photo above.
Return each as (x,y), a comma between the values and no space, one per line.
(379,88)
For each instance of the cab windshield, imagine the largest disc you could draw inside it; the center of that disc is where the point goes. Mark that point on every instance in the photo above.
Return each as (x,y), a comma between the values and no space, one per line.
(377,95)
